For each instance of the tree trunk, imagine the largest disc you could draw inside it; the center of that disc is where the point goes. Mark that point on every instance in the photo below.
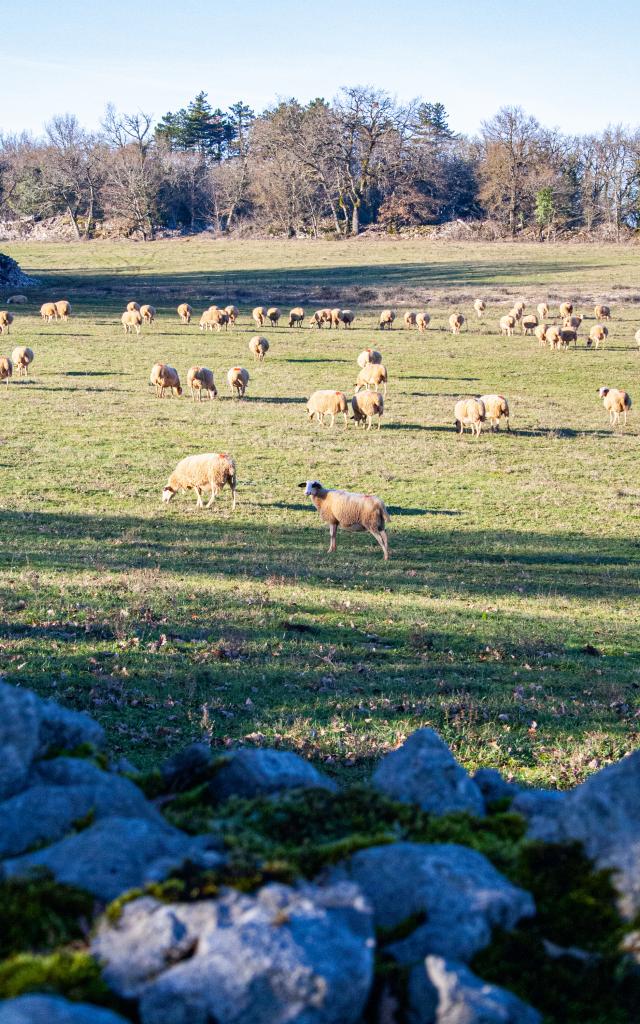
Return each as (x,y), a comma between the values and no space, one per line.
(74,221)
(355,219)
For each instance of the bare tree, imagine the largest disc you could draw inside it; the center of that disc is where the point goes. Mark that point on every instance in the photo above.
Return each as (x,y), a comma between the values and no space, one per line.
(511,151)
(131,170)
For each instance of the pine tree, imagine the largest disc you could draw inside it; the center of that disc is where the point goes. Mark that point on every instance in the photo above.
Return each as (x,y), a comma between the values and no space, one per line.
(432,124)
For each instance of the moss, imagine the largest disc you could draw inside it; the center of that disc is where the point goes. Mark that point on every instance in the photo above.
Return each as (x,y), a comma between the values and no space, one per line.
(85,821)
(154,785)
(398,932)
(69,973)
(151,782)
(84,751)
(38,913)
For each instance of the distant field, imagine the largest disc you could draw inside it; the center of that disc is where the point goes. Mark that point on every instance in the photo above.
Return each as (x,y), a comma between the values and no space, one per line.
(508,615)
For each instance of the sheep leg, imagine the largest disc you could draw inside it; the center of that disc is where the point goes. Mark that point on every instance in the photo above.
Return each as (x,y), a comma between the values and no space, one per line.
(381,537)
(333,418)
(333,529)
(199,503)
(346,420)
(214,495)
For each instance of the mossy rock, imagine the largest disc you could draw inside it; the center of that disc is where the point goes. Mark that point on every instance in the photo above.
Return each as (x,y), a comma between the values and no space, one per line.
(69,973)
(37,913)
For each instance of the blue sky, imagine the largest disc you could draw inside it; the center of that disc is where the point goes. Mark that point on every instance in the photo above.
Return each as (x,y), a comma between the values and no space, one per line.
(572,64)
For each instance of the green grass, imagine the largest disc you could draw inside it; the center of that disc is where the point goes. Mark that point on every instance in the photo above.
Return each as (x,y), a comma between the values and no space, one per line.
(507,617)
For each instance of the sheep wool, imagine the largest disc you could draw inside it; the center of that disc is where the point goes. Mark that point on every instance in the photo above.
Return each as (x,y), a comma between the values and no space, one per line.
(423,320)
(479,306)
(199,379)
(543,310)
(296,317)
(18,300)
(147,313)
(6,369)
(456,320)
(598,335)
(233,313)
(133,307)
(238,380)
(617,403)
(259,347)
(346,317)
(356,512)
(369,355)
(131,320)
(6,319)
(529,323)
(273,316)
(48,312)
(367,405)
(507,324)
(63,309)
(410,319)
(22,357)
(372,375)
(496,406)
(209,472)
(602,312)
(386,319)
(469,412)
(164,378)
(566,309)
(184,312)
(259,314)
(328,403)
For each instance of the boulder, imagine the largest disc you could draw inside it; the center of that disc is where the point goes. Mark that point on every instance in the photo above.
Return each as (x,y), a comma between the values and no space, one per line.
(454,894)
(543,809)
(37,1009)
(493,787)
(64,729)
(250,773)
(423,771)
(186,768)
(445,992)
(280,956)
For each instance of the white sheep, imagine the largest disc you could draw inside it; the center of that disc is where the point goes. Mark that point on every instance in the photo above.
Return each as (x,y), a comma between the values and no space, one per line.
(259,347)
(496,407)
(147,313)
(566,309)
(185,312)
(238,380)
(356,512)
(469,412)
(48,312)
(259,314)
(520,306)
(479,306)
(6,319)
(410,320)
(164,378)
(602,312)
(598,335)
(233,313)
(543,310)
(617,403)
(6,369)
(17,300)
(22,357)
(219,318)
(133,307)
(572,322)
(423,320)
(296,317)
(386,319)
(372,375)
(208,472)
(369,355)
(273,315)
(456,320)
(365,406)
(334,320)
(63,309)
(206,320)
(507,324)
(541,333)
(200,378)
(552,337)
(131,320)
(328,403)
(529,323)
(637,337)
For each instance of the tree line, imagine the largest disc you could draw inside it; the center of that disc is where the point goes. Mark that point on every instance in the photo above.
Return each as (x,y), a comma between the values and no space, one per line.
(321,168)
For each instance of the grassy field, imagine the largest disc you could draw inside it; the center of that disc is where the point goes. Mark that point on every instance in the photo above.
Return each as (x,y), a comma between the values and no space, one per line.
(508,615)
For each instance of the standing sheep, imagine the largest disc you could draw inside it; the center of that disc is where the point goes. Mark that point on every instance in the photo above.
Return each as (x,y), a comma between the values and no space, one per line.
(552,336)
(200,379)
(238,380)
(259,346)
(543,310)
(346,317)
(372,375)
(566,309)
(17,300)
(6,369)
(328,403)
(602,312)
(165,378)
(133,307)
(386,319)
(148,314)
(520,306)
(423,320)
(356,512)
(131,320)
(617,403)
(367,405)
(410,320)
(259,314)
(541,334)
(334,319)
(456,320)
(296,317)
(209,472)
(369,355)
(233,313)
(48,312)
(568,335)
(479,306)
(22,357)
(572,322)
(598,335)
(184,312)
(469,412)
(63,309)
(507,324)
(529,323)
(496,406)
(273,315)
(206,320)
(6,319)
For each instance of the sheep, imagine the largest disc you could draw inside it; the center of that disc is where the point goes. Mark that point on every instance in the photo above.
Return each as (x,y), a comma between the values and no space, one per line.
(367,405)
(516,313)
(552,337)
(543,310)
(386,319)
(541,333)
(296,317)
(346,317)
(219,318)
(356,512)
(206,320)
(208,472)
(410,320)
(6,369)
(17,300)
(184,312)
(200,379)
(602,312)
(423,320)
(273,315)
(529,323)
(568,335)
(259,315)
(616,402)
(456,320)
(6,319)
(495,407)
(469,412)
(328,403)
(572,322)
(372,375)
(637,337)
(131,319)
(479,306)
(598,334)
(148,314)
(133,307)
(566,309)
(48,312)
(233,313)
(320,317)
(22,357)
(238,380)
(334,320)
(164,378)
(63,309)
(259,346)
(520,305)
(507,324)
(369,355)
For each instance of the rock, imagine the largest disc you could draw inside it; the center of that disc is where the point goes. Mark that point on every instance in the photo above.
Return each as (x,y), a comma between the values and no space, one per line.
(36,1009)
(458,892)
(251,773)
(543,808)
(11,276)
(64,729)
(187,768)
(19,726)
(279,957)
(423,771)
(112,856)
(462,998)
(493,787)
(62,792)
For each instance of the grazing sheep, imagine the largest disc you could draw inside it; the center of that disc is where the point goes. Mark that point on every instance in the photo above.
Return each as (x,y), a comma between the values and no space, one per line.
(529,323)
(22,357)
(219,319)
(273,315)
(200,379)
(495,407)
(6,368)
(369,355)
(184,312)
(17,300)
(6,319)
(386,319)
(566,309)
(568,335)
(602,312)
(423,320)
(520,305)
(507,324)
(206,320)
(133,307)
(296,317)
(410,320)
(355,512)
(259,315)
(543,310)
(598,335)
(209,472)
(552,336)
(131,320)
(541,333)
(372,375)
(165,378)
(315,320)
(456,320)
(367,405)
(479,306)
(233,313)
(616,402)
(238,380)
(63,309)
(148,314)
(572,322)
(328,403)
(346,317)
(469,412)
(334,320)
(48,312)
(259,346)
(516,313)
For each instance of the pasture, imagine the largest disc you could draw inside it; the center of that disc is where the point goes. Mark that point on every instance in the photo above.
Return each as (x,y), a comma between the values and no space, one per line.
(508,614)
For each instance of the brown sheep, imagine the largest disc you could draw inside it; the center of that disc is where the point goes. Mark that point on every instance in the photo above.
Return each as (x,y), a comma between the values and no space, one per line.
(598,335)
(334,320)
(259,346)
(238,380)
(456,320)
(469,412)
(200,379)
(616,402)
(6,319)
(48,312)
(22,357)
(164,378)
(367,405)
(131,320)
(6,369)
(296,317)
(185,312)
(572,322)
(63,309)
(568,335)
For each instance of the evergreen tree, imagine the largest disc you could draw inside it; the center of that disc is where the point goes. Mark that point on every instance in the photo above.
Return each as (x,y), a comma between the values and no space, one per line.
(432,125)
